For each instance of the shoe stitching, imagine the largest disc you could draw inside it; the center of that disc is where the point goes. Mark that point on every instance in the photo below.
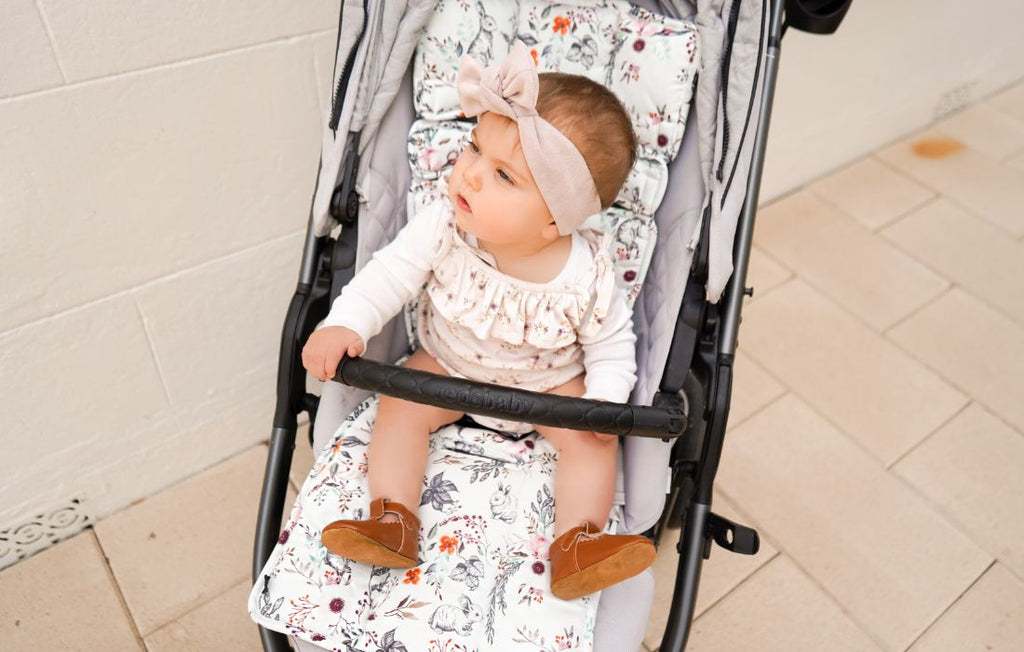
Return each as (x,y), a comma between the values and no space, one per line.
(581,535)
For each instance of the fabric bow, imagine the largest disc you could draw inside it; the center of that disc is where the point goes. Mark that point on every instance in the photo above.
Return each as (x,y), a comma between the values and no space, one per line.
(560,171)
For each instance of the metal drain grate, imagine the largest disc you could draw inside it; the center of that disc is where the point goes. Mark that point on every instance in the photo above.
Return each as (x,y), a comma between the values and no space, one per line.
(41,532)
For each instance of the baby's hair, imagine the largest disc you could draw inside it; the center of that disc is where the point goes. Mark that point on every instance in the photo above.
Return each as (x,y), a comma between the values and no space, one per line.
(597,124)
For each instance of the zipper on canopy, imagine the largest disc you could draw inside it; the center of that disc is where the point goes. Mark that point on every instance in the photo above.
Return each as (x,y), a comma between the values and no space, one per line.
(346,70)
(730,36)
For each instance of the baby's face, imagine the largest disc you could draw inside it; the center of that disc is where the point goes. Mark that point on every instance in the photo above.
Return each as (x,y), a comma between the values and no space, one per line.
(493,191)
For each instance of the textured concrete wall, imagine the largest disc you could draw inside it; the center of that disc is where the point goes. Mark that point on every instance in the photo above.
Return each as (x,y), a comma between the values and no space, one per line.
(156,165)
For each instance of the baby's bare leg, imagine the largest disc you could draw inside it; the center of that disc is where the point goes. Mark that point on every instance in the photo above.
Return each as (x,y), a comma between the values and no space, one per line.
(585,475)
(398,446)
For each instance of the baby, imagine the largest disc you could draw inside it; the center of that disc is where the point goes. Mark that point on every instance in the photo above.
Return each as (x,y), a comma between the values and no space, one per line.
(515,295)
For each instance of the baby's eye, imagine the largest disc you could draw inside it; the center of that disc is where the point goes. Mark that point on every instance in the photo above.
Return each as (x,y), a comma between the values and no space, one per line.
(473,148)
(504,176)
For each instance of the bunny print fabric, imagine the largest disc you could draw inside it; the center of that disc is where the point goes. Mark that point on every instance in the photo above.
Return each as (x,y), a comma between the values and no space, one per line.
(483,581)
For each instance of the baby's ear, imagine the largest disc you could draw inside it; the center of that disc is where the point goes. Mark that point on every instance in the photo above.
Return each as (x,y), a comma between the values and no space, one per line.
(550,232)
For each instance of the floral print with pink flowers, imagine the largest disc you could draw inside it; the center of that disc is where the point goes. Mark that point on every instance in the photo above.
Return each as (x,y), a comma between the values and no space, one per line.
(483,581)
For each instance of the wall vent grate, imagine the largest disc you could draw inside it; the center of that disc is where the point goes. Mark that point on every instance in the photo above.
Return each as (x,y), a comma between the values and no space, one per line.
(42,531)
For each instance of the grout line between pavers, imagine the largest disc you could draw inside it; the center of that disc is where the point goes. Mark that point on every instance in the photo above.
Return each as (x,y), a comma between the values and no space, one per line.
(843,431)
(995,307)
(891,466)
(117,589)
(951,605)
(775,399)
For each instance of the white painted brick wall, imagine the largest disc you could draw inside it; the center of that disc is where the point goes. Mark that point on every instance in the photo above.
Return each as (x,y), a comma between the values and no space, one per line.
(156,165)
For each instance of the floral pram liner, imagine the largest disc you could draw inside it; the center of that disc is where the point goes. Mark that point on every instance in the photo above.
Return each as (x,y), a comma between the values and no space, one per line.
(649,61)
(483,581)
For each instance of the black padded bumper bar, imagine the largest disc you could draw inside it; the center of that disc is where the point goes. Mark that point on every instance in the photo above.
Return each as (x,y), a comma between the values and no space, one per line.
(509,403)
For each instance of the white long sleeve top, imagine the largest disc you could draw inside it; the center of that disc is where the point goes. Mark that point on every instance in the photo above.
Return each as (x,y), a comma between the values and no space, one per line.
(482,324)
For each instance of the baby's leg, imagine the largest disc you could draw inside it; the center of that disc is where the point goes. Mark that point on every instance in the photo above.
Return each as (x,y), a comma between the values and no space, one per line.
(583,559)
(399,443)
(585,475)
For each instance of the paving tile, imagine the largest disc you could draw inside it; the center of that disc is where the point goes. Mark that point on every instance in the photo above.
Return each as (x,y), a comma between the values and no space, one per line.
(752,388)
(1010,102)
(779,608)
(855,529)
(29,63)
(177,550)
(764,273)
(990,616)
(875,392)
(218,176)
(63,599)
(1016,162)
(871,192)
(844,260)
(720,574)
(993,191)
(221,624)
(971,469)
(985,129)
(975,347)
(983,259)
(137,35)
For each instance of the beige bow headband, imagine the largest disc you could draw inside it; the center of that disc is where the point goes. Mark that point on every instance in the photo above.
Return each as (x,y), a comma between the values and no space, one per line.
(561,173)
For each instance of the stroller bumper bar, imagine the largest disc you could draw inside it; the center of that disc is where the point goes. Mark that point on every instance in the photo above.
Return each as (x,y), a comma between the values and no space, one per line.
(508,403)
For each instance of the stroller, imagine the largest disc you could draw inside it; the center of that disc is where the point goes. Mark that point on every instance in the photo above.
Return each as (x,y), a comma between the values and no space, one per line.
(688,289)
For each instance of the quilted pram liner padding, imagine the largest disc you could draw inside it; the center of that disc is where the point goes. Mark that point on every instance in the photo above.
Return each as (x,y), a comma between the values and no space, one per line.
(488,510)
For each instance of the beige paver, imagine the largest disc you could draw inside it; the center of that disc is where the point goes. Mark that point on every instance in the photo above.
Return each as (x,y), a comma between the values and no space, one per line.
(875,392)
(844,260)
(878,548)
(177,550)
(989,617)
(63,599)
(221,624)
(971,469)
(974,346)
(994,191)
(983,259)
(871,192)
(779,608)
(719,575)
(752,389)
(985,129)
(764,273)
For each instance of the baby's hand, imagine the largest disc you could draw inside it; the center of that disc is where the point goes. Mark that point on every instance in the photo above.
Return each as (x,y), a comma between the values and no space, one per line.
(325,348)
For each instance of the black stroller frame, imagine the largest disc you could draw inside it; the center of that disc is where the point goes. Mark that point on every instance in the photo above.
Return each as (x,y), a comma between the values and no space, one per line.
(691,406)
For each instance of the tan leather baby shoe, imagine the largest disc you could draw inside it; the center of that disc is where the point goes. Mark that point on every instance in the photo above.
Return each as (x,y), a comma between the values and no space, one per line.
(374,541)
(585,560)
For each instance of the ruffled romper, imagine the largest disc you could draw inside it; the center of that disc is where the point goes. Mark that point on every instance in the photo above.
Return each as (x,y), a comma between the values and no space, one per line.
(482,324)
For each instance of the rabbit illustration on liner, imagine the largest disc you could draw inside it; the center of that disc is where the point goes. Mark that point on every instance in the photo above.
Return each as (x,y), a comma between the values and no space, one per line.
(503,504)
(461,619)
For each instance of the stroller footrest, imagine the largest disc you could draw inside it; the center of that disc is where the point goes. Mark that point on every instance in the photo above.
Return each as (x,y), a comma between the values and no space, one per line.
(732,536)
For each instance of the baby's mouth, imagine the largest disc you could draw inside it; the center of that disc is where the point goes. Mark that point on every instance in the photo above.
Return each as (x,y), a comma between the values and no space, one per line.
(463,204)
